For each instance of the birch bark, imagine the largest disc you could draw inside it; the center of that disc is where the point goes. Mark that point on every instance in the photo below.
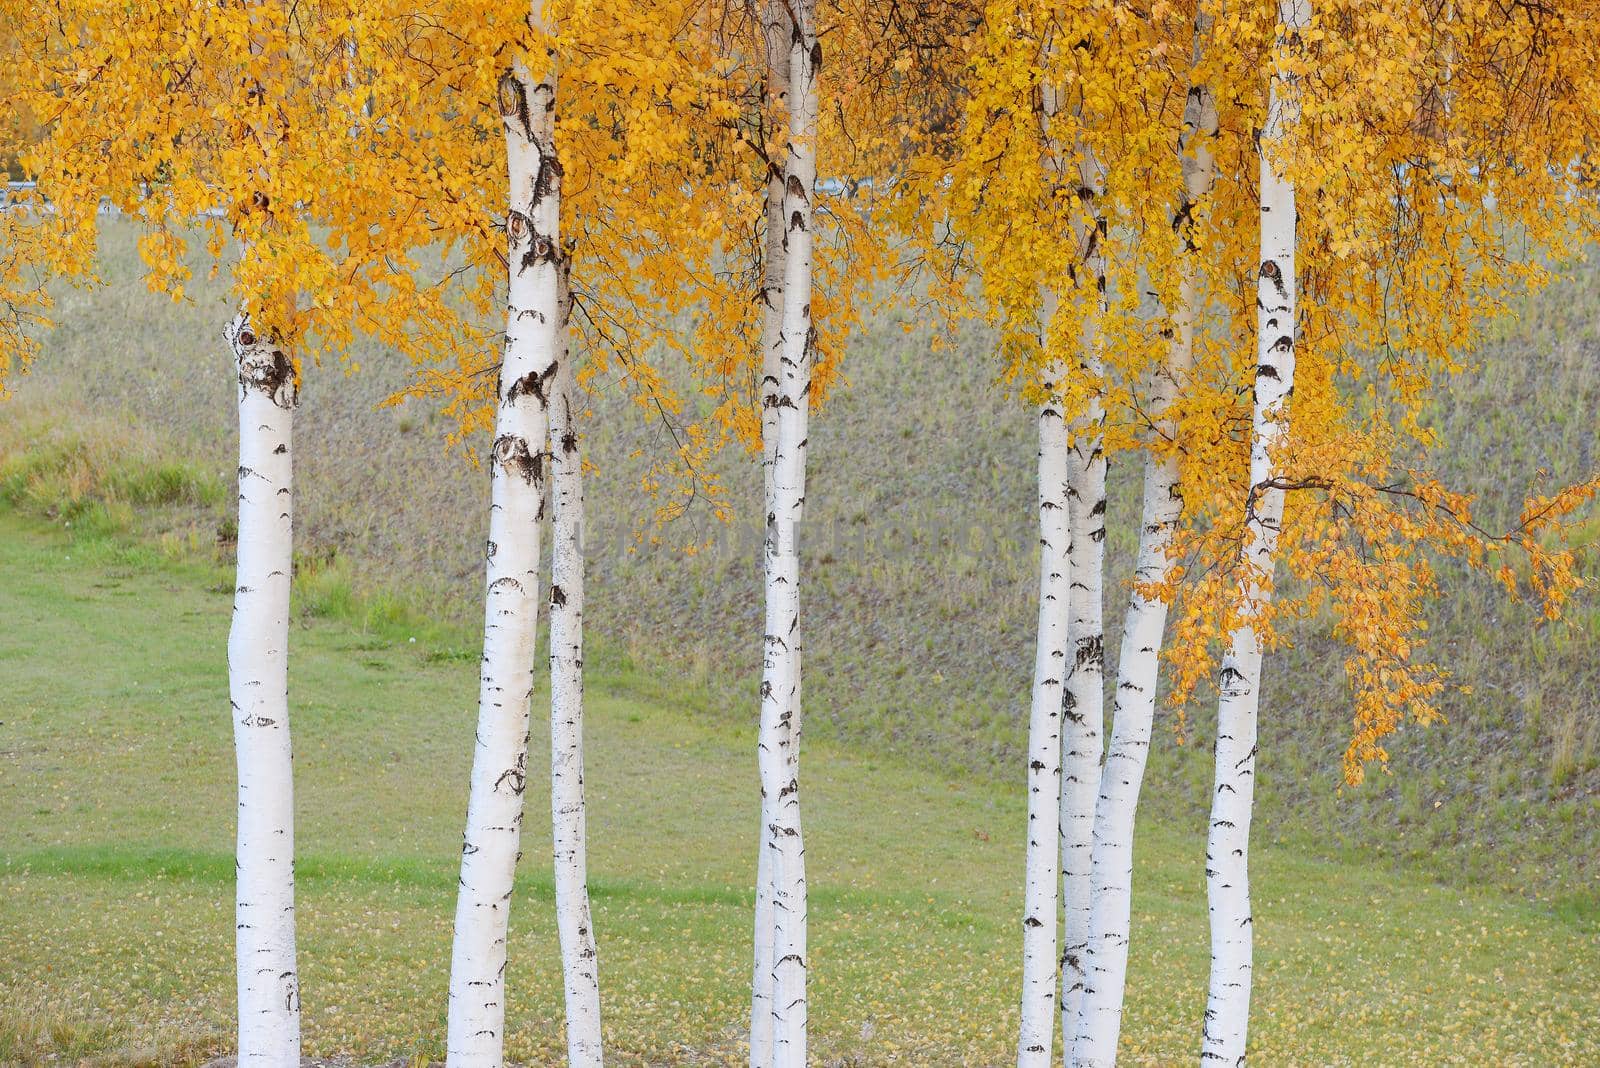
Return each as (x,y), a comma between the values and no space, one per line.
(772,274)
(258,684)
(1111,885)
(780,684)
(1041,885)
(1083,708)
(476,1034)
(1228,843)
(1038,1018)
(569,834)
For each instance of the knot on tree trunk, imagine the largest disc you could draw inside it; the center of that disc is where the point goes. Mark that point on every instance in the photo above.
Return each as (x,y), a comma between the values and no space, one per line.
(261,364)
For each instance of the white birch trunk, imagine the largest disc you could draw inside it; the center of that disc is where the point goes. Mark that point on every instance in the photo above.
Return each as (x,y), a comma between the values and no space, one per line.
(1111,884)
(772,272)
(780,684)
(517,475)
(1228,844)
(568,823)
(1038,1017)
(1083,709)
(258,684)
(1046,741)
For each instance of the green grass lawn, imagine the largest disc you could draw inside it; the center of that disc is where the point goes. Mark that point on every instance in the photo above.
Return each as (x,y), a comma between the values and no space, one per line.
(116,802)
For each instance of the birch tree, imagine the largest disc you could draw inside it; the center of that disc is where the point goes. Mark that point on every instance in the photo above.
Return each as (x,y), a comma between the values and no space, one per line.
(204,119)
(1027,199)
(258,660)
(529,365)
(258,686)
(776,44)
(1106,949)
(1228,843)
(569,831)
(114,135)
(1378,279)
(778,745)
(768,348)
(1083,709)
(631,246)
(1040,885)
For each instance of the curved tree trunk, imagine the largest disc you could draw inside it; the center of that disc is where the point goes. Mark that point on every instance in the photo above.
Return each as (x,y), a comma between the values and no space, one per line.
(1228,844)
(258,684)
(780,684)
(1106,945)
(517,483)
(775,33)
(568,823)
(1038,1017)
(1106,963)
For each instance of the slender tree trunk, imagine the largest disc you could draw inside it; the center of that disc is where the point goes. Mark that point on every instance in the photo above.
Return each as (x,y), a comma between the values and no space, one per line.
(780,684)
(1083,709)
(1228,844)
(1106,963)
(1038,1017)
(1046,740)
(777,38)
(517,475)
(579,965)
(258,684)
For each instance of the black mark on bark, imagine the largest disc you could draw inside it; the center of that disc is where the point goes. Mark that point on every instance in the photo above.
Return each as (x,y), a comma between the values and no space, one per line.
(512,453)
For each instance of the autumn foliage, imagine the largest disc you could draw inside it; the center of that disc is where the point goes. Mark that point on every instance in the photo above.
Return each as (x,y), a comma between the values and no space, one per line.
(1023,164)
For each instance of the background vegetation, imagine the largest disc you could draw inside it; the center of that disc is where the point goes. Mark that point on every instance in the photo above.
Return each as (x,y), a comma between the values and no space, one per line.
(920,559)
(115,529)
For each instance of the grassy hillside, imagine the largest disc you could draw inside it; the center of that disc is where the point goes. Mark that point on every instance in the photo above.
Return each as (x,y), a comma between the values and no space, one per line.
(919,557)
(116,864)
